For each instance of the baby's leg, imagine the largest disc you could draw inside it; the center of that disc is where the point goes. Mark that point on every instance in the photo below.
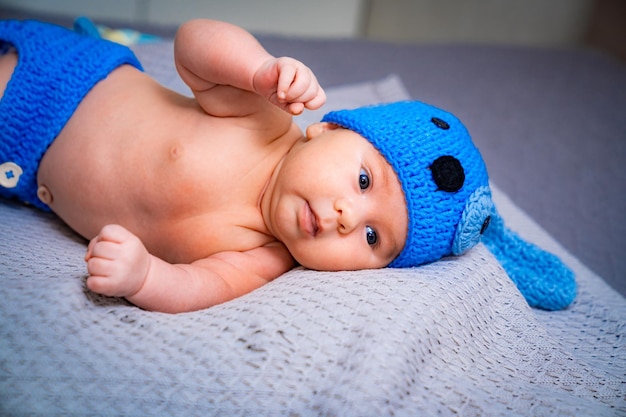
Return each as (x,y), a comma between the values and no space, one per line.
(9,172)
(8,61)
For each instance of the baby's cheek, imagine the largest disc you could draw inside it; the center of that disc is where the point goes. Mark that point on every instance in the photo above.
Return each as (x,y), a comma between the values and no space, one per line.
(340,257)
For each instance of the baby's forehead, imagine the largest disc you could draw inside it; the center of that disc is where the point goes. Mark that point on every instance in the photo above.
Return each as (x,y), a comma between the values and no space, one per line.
(437,153)
(372,149)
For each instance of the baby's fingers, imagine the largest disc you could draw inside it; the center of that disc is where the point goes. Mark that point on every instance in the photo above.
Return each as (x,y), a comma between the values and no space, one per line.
(307,91)
(103,285)
(114,233)
(315,98)
(101,259)
(92,242)
(312,100)
(286,79)
(104,250)
(302,84)
(109,276)
(295,108)
(111,233)
(100,279)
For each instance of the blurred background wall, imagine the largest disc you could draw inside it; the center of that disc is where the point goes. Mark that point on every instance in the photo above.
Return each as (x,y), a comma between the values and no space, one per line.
(527,22)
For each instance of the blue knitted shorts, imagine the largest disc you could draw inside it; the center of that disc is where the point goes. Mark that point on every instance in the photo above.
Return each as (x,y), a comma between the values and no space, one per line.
(56,68)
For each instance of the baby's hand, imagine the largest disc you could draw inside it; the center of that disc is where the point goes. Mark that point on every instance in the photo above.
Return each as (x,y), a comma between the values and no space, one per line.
(117,262)
(289,84)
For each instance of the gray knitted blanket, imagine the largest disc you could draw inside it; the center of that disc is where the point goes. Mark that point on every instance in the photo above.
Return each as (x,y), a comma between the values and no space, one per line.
(451,338)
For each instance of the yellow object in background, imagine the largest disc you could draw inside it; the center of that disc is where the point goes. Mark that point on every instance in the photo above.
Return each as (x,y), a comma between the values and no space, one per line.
(126,37)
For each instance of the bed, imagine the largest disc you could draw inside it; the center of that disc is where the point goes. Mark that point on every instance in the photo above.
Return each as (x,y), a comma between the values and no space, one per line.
(454,337)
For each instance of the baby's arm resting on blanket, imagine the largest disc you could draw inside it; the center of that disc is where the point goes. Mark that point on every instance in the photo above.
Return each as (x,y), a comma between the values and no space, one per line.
(119,265)
(209,53)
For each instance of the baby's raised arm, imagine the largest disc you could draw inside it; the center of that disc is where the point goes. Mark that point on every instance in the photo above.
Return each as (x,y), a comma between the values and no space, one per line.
(211,53)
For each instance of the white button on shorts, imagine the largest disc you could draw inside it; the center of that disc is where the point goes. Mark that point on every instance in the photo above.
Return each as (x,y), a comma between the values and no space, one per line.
(10,173)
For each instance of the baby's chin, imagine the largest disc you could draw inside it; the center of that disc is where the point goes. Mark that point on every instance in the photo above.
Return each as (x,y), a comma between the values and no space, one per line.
(342,264)
(322,264)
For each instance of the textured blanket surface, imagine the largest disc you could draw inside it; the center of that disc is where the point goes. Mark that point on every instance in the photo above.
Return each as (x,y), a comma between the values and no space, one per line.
(450,337)
(453,338)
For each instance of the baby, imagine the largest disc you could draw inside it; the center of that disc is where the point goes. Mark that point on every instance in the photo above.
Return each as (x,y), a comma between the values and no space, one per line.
(190,202)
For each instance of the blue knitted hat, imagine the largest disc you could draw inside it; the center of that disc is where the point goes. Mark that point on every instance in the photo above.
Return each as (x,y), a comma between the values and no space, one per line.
(449,206)
(438,166)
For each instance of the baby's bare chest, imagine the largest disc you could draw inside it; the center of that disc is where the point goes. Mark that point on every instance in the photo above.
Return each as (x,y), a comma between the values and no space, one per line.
(153,162)
(186,239)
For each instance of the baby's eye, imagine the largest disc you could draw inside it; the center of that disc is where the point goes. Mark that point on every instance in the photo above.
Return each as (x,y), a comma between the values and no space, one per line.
(364,180)
(370,235)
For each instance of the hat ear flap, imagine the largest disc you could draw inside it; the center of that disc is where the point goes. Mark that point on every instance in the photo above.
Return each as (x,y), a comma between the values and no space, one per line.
(542,278)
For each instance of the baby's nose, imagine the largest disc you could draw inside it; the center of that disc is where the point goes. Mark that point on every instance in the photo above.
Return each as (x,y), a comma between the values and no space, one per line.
(347,215)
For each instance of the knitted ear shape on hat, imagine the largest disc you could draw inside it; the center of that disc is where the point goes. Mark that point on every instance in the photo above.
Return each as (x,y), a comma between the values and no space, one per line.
(449,205)
(540,276)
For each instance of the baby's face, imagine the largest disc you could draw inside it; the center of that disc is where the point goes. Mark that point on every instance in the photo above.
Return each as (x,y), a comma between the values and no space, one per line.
(337,204)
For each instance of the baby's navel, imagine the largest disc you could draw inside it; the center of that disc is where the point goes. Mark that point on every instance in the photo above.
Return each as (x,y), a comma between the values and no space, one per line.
(44,195)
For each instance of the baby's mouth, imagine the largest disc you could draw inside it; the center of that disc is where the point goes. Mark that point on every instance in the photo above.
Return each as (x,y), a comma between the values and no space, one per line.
(309,220)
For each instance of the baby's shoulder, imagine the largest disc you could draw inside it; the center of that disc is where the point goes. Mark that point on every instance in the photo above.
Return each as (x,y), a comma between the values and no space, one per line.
(264,262)
(245,108)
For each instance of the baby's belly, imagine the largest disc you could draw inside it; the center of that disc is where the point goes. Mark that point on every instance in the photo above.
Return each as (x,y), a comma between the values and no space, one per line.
(105,166)
(87,193)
